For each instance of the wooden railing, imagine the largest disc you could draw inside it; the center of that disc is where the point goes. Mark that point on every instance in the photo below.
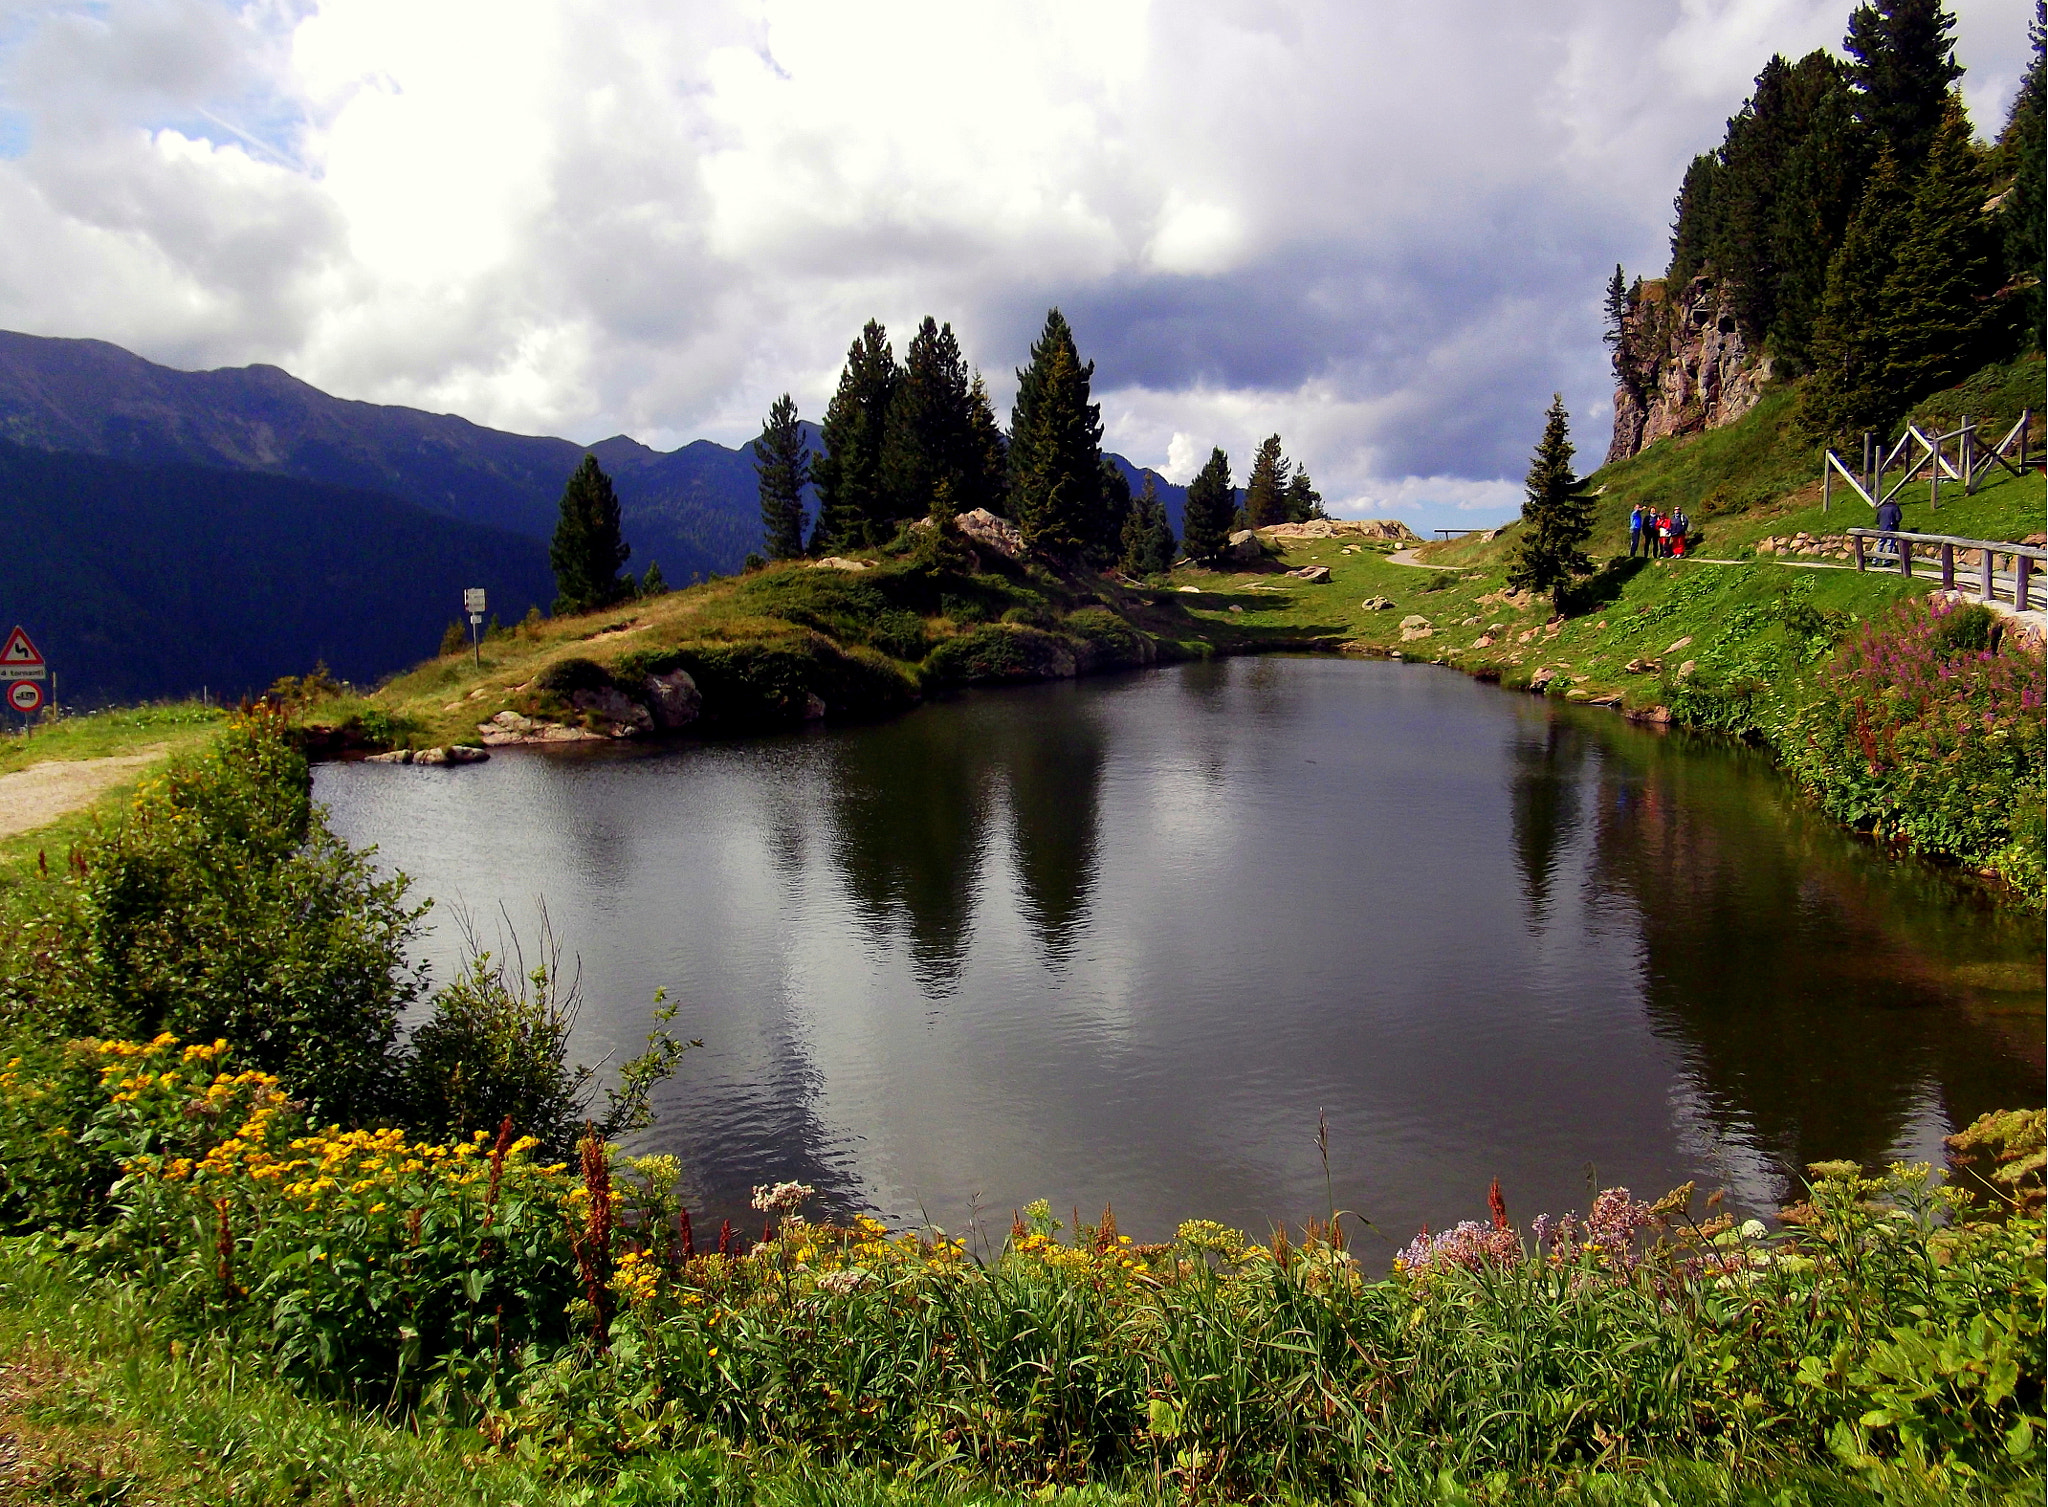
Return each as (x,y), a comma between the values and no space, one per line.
(1973,460)
(2017,581)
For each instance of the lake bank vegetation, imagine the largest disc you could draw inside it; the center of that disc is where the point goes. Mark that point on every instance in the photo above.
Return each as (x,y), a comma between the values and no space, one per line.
(428,1256)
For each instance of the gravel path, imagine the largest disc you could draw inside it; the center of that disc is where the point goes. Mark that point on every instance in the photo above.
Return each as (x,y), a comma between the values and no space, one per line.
(38,795)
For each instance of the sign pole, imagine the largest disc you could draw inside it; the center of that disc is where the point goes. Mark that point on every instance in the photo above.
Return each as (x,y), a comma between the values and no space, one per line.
(473,604)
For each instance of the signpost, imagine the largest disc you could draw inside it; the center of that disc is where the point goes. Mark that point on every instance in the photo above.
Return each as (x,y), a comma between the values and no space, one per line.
(473,604)
(23,669)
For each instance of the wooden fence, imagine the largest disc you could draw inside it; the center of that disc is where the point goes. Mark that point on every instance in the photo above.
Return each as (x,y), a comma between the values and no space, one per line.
(1930,453)
(2014,584)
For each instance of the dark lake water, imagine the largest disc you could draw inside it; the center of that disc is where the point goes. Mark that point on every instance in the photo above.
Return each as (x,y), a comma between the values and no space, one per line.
(1117,942)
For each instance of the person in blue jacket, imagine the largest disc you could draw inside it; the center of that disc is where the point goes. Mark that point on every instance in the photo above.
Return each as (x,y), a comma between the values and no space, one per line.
(1635,530)
(1891,518)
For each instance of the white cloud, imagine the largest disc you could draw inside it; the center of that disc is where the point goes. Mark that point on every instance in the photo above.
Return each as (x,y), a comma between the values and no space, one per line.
(1380,231)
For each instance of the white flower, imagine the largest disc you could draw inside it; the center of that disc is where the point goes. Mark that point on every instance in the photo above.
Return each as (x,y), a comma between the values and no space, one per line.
(1753,1229)
(839,1284)
(782,1198)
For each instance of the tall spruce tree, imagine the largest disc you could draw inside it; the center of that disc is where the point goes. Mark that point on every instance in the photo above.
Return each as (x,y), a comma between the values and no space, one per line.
(1105,544)
(1616,305)
(1939,321)
(987,481)
(1850,391)
(1903,64)
(587,549)
(1147,535)
(1694,219)
(927,437)
(853,503)
(1304,502)
(1265,490)
(782,462)
(1820,181)
(2023,152)
(1210,509)
(1557,515)
(1056,446)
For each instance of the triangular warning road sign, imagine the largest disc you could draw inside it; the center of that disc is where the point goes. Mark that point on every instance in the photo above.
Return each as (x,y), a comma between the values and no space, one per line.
(19,651)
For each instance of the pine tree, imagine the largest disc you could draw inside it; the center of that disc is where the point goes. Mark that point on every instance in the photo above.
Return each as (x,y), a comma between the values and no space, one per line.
(782,462)
(2023,149)
(1304,502)
(1821,180)
(986,482)
(1265,490)
(1211,507)
(587,550)
(1938,316)
(1695,223)
(1056,446)
(1848,393)
(853,509)
(653,584)
(1557,515)
(927,435)
(1105,544)
(1147,536)
(1617,309)
(1904,64)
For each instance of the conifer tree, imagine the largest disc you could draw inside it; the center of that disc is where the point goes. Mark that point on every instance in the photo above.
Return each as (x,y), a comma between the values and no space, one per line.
(1304,502)
(1820,182)
(1904,63)
(1265,490)
(1056,446)
(1694,221)
(782,462)
(853,507)
(1848,392)
(927,436)
(1147,535)
(1105,544)
(654,583)
(1557,515)
(1938,316)
(587,549)
(1211,507)
(2023,148)
(986,482)
(1617,309)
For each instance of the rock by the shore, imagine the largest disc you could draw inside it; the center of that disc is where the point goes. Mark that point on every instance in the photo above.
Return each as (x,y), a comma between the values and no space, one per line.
(1415,626)
(627,718)
(455,753)
(673,699)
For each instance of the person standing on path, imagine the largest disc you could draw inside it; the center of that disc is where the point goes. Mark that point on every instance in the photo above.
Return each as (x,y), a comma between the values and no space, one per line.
(1663,540)
(1681,528)
(1635,529)
(1890,518)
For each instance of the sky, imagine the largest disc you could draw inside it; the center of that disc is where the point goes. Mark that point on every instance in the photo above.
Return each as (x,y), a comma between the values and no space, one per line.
(1381,230)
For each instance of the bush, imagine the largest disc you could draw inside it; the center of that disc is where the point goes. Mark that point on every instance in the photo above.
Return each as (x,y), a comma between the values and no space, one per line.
(565,677)
(218,906)
(1000,654)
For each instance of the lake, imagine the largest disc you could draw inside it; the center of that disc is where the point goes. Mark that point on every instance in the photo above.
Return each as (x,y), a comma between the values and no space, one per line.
(1120,941)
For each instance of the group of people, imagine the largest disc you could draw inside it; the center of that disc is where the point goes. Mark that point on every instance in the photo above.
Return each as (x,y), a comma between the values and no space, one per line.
(1658,534)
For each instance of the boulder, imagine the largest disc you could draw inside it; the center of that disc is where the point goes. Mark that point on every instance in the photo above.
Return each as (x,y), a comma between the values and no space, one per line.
(1342,528)
(1540,681)
(1377,604)
(838,562)
(814,706)
(395,756)
(1643,667)
(673,700)
(1415,620)
(1682,643)
(1315,575)
(1686,668)
(1244,546)
(991,532)
(627,718)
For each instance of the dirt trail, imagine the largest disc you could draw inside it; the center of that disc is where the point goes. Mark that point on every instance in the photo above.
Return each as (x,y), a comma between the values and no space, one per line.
(38,795)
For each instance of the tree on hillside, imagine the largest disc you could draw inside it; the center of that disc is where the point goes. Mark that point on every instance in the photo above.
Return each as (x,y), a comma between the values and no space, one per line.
(1820,181)
(1303,500)
(987,477)
(1056,446)
(588,550)
(782,461)
(1616,305)
(1938,316)
(1147,536)
(1903,65)
(1211,507)
(2023,150)
(1105,544)
(927,436)
(853,507)
(1848,391)
(1557,515)
(1265,490)
(1693,219)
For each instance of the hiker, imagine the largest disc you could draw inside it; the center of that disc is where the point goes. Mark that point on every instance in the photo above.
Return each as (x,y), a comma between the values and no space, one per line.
(1663,535)
(1890,518)
(1635,529)
(1681,528)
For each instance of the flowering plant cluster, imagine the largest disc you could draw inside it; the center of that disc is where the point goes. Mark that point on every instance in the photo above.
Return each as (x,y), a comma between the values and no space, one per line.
(1927,735)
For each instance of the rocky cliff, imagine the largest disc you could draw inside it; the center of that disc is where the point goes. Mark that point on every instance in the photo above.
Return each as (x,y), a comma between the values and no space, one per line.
(1681,365)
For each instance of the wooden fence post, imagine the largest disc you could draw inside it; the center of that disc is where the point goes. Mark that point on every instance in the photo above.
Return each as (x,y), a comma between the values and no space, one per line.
(2022,567)
(1905,555)
(1989,580)
(1948,567)
(1856,544)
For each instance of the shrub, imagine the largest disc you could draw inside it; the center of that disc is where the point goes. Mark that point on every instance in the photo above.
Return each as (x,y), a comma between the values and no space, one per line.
(1000,653)
(565,677)
(218,906)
